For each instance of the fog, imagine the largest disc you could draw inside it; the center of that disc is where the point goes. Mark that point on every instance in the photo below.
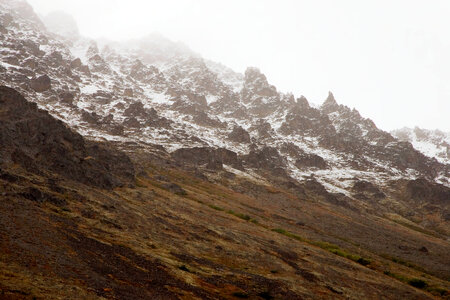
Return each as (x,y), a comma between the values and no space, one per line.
(388,59)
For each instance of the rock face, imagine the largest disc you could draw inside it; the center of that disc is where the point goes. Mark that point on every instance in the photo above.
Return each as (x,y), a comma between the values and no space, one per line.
(311,160)
(259,168)
(156,91)
(239,135)
(267,158)
(210,157)
(432,143)
(36,141)
(41,83)
(365,190)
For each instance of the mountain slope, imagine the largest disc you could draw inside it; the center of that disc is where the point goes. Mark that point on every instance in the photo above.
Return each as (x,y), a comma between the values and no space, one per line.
(241,190)
(198,234)
(432,143)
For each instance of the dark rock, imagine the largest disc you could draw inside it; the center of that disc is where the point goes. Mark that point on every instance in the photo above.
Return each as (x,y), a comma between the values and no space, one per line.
(41,83)
(33,139)
(137,109)
(229,158)
(422,190)
(120,105)
(239,135)
(307,121)
(263,128)
(308,160)
(199,156)
(108,120)
(76,63)
(12,60)
(313,186)
(423,249)
(116,130)
(67,97)
(266,158)
(210,158)
(91,118)
(203,119)
(365,190)
(132,123)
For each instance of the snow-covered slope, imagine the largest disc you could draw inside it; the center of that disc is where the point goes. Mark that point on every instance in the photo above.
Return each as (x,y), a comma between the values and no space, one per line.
(157,91)
(432,143)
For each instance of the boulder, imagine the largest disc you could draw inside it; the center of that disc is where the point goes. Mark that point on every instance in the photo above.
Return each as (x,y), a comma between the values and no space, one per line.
(66,97)
(76,63)
(41,83)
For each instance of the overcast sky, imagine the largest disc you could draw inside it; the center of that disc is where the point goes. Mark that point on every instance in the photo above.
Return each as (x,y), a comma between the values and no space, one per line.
(388,59)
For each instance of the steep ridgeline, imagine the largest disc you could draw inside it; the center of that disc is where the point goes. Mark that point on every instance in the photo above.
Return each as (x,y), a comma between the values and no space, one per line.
(37,142)
(228,189)
(432,143)
(159,92)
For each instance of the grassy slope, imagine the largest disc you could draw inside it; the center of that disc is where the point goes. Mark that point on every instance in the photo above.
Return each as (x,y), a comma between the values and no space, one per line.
(262,242)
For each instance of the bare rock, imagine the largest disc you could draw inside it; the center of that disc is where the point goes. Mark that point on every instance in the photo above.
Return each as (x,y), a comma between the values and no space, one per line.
(239,135)
(128,92)
(41,83)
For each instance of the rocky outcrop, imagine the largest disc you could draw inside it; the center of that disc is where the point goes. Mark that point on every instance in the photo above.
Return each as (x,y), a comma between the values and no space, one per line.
(330,104)
(365,190)
(133,85)
(211,158)
(267,158)
(203,119)
(311,161)
(67,97)
(41,83)
(303,160)
(36,141)
(255,84)
(306,121)
(239,135)
(422,191)
(432,143)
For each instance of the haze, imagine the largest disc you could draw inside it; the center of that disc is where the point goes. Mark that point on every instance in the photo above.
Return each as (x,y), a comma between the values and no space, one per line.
(388,59)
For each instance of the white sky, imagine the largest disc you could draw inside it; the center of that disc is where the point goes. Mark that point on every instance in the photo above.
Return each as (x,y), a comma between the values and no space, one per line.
(388,59)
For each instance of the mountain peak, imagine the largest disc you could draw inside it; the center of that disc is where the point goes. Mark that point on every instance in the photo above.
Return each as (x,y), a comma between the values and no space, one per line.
(330,103)
(256,83)
(254,75)
(330,99)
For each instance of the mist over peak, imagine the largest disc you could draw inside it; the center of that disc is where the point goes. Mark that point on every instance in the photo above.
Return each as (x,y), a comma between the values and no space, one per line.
(139,169)
(62,23)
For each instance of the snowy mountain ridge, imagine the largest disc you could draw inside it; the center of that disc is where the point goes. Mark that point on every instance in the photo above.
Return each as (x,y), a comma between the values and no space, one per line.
(432,143)
(159,92)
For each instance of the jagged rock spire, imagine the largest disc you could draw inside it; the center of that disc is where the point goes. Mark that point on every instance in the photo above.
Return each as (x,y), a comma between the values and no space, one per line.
(330,99)
(302,101)
(330,104)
